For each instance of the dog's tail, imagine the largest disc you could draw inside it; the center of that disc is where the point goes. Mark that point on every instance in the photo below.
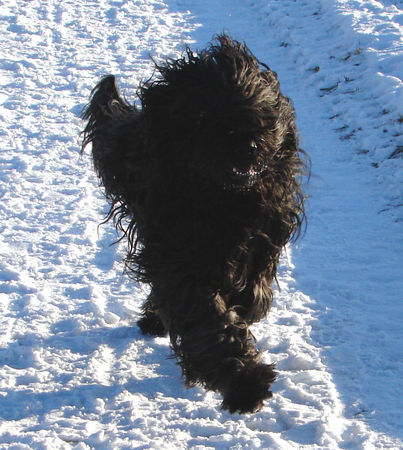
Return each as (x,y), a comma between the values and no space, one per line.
(113,130)
(105,107)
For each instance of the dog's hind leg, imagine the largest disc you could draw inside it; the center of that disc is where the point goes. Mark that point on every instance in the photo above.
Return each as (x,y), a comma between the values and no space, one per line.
(150,322)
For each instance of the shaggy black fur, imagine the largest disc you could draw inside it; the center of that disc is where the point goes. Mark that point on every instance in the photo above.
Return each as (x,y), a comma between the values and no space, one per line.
(203,181)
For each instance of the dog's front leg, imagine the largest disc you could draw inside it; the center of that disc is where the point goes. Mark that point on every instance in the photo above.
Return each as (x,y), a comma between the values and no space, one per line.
(254,301)
(215,349)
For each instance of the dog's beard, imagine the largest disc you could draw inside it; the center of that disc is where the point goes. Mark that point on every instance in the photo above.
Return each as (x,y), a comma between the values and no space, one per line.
(223,168)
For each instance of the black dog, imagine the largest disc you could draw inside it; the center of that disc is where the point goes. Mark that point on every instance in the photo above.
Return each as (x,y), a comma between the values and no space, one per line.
(203,181)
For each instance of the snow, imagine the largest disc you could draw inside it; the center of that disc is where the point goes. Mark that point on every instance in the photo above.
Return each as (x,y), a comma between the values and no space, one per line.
(74,370)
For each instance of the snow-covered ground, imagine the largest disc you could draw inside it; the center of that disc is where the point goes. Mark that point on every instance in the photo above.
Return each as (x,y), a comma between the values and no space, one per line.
(74,370)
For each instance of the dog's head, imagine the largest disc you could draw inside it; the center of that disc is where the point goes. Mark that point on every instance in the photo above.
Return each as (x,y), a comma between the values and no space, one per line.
(220,114)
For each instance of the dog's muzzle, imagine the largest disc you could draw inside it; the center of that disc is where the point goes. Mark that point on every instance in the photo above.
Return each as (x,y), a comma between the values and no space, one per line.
(245,178)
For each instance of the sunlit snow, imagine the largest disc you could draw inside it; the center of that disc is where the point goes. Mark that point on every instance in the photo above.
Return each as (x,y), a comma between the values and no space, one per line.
(74,370)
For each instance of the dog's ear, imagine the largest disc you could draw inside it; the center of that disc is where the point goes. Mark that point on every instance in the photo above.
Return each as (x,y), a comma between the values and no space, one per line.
(270,78)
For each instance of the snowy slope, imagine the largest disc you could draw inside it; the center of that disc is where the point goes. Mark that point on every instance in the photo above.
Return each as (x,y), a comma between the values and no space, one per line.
(74,370)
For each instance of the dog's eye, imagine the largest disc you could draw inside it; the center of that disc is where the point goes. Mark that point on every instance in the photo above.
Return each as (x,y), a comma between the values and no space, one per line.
(253,147)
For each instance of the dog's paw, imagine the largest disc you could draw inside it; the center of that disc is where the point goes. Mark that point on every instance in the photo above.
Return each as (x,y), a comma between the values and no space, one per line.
(150,324)
(249,388)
